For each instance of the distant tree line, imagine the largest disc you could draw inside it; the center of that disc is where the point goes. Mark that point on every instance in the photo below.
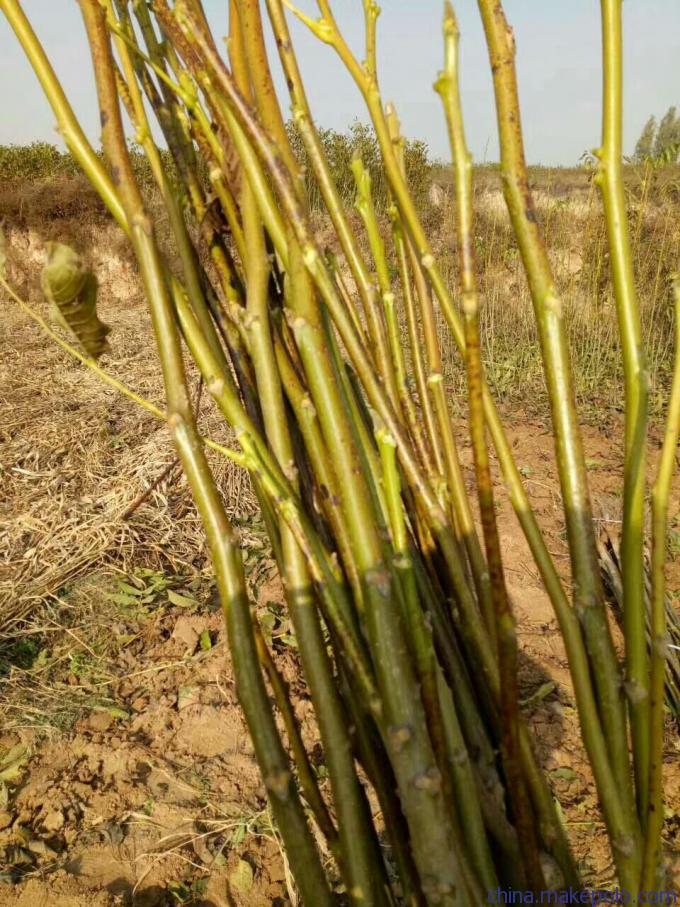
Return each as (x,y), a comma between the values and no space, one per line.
(659,142)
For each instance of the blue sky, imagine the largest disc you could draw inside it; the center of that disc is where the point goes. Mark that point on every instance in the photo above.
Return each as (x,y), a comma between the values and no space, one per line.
(558,62)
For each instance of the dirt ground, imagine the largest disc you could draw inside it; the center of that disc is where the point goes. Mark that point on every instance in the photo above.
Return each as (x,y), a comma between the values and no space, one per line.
(153,795)
(127,773)
(139,783)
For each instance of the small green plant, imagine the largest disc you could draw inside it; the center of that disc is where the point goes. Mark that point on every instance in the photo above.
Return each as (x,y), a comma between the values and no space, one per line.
(23,653)
(147,590)
(189,892)
(82,665)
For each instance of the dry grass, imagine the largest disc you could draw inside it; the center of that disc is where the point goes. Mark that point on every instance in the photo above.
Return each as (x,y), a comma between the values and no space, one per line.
(570,212)
(74,455)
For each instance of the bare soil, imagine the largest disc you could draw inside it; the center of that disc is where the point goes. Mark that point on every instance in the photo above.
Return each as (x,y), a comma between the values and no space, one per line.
(153,791)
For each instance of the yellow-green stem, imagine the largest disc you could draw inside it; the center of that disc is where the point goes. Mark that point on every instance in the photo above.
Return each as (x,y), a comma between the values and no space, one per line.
(659,648)
(447,86)
(609,179)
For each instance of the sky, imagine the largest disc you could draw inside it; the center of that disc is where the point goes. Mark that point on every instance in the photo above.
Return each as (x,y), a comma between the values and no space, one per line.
(558,44)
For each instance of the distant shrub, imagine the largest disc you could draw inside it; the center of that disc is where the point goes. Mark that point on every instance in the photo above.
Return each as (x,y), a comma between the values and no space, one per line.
(43,161)
(360,140)
(36,161)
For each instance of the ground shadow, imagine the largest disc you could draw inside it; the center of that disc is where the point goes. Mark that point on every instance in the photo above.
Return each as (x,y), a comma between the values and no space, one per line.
(158,896)
(542,702)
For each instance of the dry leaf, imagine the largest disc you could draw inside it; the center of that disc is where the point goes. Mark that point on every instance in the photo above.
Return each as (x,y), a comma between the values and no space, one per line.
(242,878)
(72,290)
